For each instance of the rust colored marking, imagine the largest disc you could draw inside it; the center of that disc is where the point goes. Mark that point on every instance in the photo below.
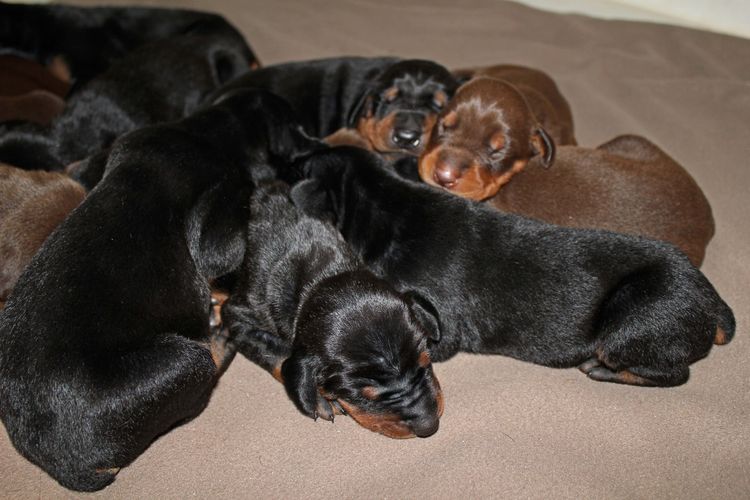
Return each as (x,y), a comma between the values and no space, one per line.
(377,132)
(370,393)
(276,373)
(388,424)
(60,69)
(440,98)
(721,337)
(111,470)
(390,94)
(497,141)
(424,359)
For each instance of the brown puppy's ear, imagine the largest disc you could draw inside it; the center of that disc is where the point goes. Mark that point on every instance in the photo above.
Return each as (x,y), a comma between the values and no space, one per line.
(300,375)
(425,314)
(542,143)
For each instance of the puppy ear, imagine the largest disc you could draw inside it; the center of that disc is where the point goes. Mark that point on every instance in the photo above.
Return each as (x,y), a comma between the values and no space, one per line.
(363,107)
(310,198)
(300,374)
(542,143)
(425,313)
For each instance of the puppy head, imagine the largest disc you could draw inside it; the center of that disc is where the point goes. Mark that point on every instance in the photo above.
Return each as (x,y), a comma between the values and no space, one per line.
(397,112)
(361,344)
(486,134)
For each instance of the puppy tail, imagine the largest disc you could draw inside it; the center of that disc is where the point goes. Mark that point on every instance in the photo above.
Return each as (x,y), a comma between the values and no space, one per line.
(726,325)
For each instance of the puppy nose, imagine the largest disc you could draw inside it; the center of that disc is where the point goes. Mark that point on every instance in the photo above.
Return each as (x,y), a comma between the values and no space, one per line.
(447,173)
(425,426)
(407,137)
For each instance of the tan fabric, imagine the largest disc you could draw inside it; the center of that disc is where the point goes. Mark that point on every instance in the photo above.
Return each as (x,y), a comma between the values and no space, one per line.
(511,429)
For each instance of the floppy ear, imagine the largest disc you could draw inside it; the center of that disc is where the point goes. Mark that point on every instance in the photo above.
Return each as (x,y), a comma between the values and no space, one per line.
(543,144)
(310,198)
(300,373)
(363,107)
(425,313)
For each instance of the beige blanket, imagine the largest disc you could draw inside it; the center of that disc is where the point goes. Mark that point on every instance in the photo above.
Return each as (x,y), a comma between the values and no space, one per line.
(510,429)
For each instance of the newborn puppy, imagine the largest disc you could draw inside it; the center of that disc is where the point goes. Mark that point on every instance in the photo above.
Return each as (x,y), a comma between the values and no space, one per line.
(390,104)
(310,313)
(486,135)
(627,185)
(137,90)
(105,341)
(624,309)
(32,205)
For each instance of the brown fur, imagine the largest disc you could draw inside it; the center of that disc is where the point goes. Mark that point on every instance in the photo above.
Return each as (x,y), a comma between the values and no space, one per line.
(546,101)
(627,185)
(32,204)
(387,424)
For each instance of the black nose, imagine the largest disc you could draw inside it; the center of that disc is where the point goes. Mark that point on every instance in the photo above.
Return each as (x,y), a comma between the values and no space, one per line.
(407,137)
(425,427)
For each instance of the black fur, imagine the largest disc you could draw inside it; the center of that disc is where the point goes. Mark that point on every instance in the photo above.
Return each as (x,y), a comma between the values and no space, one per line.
(105,341)
(160,81)
(305,300)
(628,309)
(89,39)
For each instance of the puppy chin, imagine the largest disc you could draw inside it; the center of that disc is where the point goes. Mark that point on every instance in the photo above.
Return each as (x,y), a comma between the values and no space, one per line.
(387,424)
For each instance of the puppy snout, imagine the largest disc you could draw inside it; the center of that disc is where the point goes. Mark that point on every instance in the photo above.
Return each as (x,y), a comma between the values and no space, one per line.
(448,170)
(425,426)
(408,138)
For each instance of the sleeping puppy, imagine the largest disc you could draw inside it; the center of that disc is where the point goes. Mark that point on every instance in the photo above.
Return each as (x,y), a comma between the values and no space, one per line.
(78,43)
(627,185)
(625,309)
(105,341)
(486,135)
(137,90)
(310,313)
(390,104)
(32,204)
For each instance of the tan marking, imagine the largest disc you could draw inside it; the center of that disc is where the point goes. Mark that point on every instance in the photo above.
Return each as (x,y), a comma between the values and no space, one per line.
(424,359)
(60,69)
(440,98)
(370,393)
(111,470)
(390,94)
(628,377)
(348,137)
(721,337)
(276,373)
(497,141)
(378,132)
(388,424)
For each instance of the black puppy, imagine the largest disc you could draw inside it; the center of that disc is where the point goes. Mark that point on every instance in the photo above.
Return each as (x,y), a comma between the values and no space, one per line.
(161,81)
(105,340)
(626,309)
(391,103)
(344,336)
(78,43)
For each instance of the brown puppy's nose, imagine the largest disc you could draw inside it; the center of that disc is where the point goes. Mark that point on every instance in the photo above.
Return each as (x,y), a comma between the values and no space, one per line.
(447,172)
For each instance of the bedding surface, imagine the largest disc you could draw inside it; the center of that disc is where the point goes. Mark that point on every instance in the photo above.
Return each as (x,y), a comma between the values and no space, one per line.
(510,429)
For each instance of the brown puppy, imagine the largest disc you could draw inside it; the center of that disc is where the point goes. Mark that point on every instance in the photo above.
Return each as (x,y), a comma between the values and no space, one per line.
(627,185)
(547,103)
(30,91)
(486,134)
(32,204)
